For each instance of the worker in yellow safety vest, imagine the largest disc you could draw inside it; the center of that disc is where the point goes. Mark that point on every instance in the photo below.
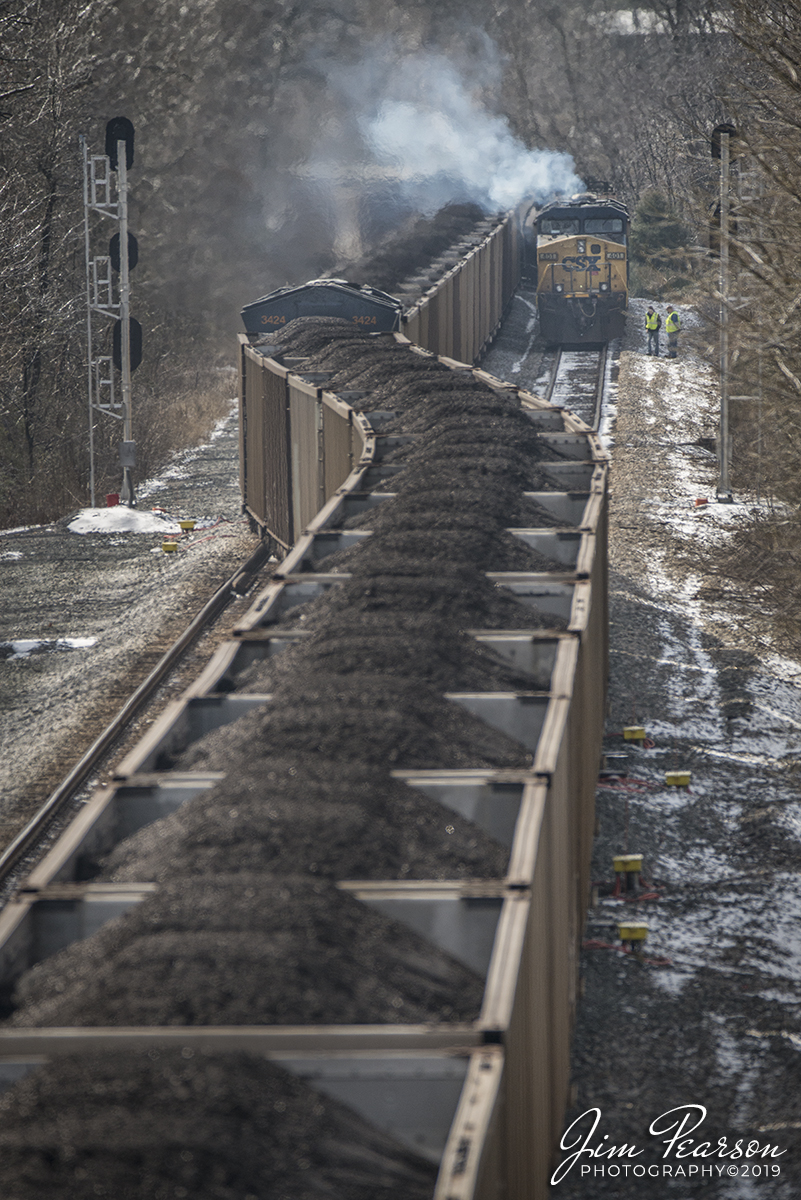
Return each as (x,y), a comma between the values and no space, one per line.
(653,323)
(672,327)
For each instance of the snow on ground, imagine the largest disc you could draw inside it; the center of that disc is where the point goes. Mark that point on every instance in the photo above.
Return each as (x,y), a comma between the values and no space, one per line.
(24,647)
(718,1023)
(88,602)
(121,519)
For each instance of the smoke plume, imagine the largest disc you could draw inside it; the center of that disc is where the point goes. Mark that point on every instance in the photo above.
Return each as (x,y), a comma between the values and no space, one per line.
(424,125)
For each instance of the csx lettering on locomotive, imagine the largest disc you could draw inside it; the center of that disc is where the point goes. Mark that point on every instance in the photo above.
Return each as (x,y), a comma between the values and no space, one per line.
(582,262)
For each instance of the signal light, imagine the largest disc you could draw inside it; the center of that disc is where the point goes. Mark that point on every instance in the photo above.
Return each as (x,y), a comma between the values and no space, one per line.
(119,129)
(114,252)
(136,343)
(717,134)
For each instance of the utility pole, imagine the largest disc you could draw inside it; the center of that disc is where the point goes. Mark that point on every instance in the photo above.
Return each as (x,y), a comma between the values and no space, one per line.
(128,447)
(90,350)
(122,257)
(721,149)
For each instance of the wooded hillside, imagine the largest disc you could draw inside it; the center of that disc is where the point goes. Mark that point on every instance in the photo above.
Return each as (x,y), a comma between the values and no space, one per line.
(258,162)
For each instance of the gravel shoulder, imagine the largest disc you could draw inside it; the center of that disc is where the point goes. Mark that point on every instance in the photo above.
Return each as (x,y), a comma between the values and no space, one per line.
(709,1014)
(121,599)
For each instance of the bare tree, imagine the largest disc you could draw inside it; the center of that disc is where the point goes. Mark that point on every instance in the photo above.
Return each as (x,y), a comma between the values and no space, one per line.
(45,52)
(763,103)
(619,92)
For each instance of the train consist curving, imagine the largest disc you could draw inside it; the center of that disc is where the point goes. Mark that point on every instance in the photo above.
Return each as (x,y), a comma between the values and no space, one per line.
(582,269)
(350,865)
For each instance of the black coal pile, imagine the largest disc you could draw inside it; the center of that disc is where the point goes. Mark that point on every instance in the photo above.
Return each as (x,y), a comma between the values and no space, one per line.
(449,660)
(283,816)
(364,693)
(361,718)
(391,639)
(414,246)
(204,952)
(168,1124)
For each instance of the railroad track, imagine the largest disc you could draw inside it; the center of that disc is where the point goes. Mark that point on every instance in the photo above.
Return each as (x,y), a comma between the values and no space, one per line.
(577,381)
(24,848)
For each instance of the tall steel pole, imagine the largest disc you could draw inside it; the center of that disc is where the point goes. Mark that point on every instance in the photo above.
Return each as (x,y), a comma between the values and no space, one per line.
(127,495)
(724,487)
(85,154)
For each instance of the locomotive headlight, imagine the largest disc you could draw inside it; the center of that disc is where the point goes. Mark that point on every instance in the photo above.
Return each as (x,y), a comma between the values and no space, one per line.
(560,287)
(581,246)
(604,287)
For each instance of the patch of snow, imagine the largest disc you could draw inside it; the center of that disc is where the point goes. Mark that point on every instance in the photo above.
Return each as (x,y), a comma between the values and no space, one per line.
(121,519)
(24,647)
(20,529)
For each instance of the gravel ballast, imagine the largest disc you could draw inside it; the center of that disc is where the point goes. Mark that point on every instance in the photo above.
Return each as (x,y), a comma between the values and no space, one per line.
(119,593)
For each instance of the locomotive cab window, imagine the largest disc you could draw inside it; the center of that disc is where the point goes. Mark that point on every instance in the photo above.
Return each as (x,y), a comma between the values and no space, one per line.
(561,226)
(603,225)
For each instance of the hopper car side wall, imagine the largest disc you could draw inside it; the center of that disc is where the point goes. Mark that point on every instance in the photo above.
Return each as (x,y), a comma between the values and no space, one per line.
(265,464)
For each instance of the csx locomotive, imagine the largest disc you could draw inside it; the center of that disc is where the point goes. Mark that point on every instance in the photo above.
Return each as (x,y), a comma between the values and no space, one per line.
(582,269)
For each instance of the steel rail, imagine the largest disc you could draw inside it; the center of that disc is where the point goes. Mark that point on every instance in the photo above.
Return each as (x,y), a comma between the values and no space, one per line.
(557,362)
(236,584)
(599,386)
(596,357)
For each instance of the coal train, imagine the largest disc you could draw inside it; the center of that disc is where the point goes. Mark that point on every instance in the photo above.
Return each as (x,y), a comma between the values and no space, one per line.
(349,866)
(582,269)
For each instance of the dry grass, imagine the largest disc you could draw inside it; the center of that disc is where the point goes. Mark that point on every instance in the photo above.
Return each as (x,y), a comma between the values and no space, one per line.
(182,388)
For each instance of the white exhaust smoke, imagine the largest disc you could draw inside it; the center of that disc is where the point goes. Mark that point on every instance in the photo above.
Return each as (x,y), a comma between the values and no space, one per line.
(424,125)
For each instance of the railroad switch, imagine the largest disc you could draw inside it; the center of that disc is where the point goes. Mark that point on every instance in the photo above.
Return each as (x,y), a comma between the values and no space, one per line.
(634,733)
(679,779)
